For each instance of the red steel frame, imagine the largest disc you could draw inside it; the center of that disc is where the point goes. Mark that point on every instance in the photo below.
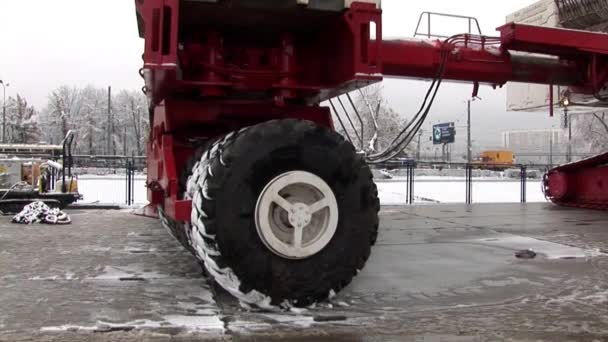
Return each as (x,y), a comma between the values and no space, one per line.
(205,81)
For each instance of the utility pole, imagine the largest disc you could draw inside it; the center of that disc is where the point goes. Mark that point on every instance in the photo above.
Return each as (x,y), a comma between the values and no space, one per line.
(469,147)
(109,137)
(4,85)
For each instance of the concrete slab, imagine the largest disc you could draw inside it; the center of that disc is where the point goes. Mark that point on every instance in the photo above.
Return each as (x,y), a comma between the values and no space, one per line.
(438,273)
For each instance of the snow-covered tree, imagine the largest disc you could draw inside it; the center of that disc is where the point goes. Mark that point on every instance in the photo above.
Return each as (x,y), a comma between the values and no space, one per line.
(21,122)
(91,127)
(60,115)
(131,108)
(389,122)
(85,111)
(591,133)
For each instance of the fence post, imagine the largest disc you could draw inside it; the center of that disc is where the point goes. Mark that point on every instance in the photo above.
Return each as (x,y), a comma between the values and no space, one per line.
(133,167)
(411,181)
(129,187)
(127,181)
(469,184)
(407,184)
(524,179)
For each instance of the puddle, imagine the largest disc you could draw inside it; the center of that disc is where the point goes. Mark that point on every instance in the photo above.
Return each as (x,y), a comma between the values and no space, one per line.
(549,250)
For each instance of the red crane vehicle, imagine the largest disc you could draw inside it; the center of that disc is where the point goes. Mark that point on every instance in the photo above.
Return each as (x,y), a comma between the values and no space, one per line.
(244,166)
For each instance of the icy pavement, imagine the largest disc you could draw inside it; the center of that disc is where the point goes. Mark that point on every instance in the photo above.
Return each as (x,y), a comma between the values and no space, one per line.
(438,273)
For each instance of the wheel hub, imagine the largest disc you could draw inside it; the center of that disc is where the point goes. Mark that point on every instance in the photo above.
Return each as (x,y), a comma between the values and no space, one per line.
(300,215)
(296,215)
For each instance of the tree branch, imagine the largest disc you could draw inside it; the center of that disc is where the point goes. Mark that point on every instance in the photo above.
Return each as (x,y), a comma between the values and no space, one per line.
(600,119)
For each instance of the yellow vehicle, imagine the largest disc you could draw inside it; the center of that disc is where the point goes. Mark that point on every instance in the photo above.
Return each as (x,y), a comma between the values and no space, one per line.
(495,160)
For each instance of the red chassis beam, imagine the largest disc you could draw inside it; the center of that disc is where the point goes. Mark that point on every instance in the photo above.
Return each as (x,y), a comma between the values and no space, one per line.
(206,77)
(582,184)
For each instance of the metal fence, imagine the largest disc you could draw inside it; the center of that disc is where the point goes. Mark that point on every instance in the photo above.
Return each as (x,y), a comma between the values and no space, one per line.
(130,182)
(523,174)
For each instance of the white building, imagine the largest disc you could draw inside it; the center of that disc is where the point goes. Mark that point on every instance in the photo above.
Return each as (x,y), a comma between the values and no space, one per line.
(541,146)
(540,140)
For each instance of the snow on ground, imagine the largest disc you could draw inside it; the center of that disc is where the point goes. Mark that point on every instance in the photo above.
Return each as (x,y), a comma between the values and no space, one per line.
(111,189)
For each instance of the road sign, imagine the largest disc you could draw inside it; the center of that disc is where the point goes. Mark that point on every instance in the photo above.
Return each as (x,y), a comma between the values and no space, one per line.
(444,133)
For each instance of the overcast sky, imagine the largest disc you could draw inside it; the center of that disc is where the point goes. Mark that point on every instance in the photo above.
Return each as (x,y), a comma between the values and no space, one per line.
(45,44)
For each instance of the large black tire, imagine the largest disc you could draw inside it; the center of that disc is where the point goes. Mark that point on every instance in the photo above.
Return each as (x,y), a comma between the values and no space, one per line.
(180,230)
(225,187)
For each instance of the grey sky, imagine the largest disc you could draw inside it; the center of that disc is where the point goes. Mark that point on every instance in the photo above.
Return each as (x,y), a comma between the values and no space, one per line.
(45,44)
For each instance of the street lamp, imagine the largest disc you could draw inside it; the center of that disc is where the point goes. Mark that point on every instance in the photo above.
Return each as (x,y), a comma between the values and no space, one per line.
(4,85)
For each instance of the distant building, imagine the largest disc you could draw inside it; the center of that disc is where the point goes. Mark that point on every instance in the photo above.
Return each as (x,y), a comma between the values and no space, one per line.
(542,146)
(538,140)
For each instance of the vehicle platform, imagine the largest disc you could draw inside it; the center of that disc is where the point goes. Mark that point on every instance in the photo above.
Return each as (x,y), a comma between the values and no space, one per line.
(437,273)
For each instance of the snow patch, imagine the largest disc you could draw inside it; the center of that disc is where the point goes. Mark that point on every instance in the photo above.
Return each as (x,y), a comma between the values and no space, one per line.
(299,321)
(343,304)
(189,323)
(67,327)
(443,189)
(44,278)
(116,273)
(597,298)
(332,294)
(195,323)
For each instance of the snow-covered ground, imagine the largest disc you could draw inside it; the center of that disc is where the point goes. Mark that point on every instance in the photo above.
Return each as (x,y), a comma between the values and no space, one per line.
(111,189)
(433,189)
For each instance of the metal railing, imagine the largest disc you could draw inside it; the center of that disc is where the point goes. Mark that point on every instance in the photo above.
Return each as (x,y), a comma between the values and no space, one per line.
(130,181)
(472,21)
(67,160)
(410,167)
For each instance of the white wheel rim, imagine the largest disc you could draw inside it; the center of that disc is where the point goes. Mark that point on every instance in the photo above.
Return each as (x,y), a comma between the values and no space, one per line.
(296,215)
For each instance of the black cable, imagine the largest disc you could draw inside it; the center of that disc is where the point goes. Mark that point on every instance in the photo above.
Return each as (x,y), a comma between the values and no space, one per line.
(400,141)
(432,89)
(396,146)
